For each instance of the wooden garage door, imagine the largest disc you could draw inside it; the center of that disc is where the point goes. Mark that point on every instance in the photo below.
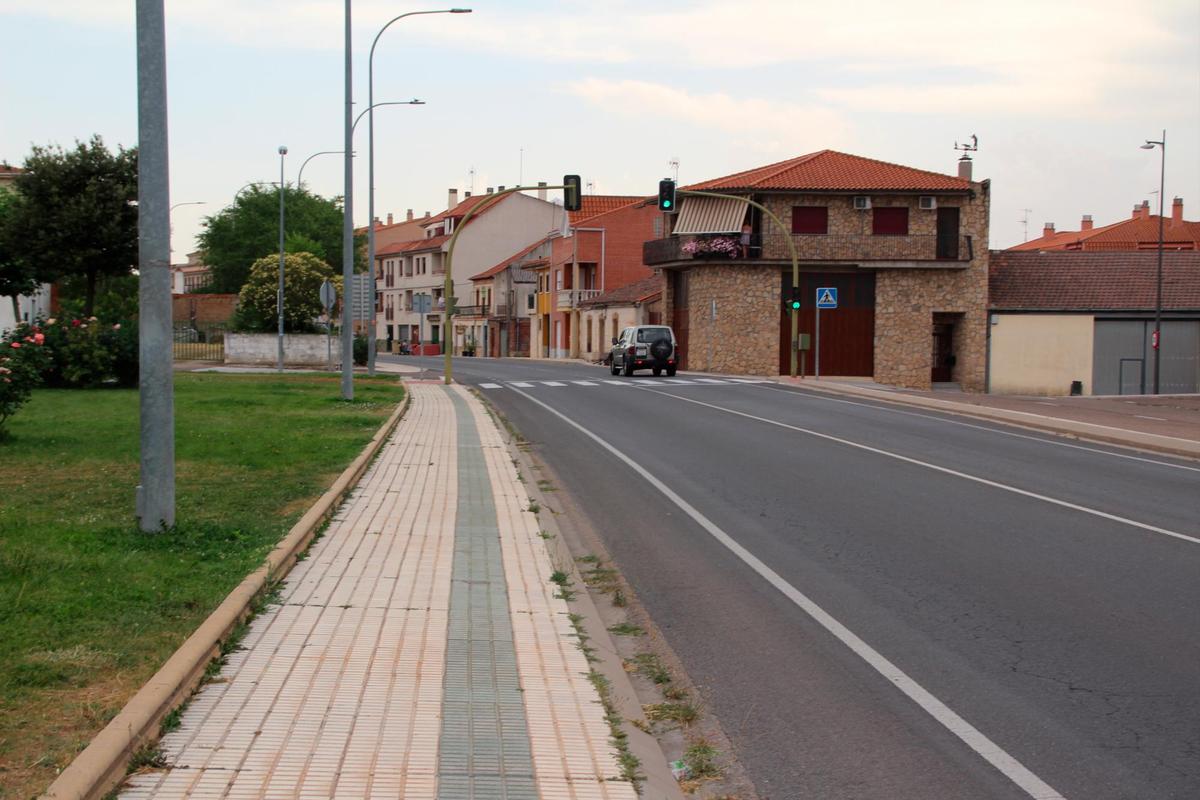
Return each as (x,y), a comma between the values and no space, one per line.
(847,332)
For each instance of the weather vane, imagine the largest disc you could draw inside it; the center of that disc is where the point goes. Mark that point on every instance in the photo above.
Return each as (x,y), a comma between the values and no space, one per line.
(968,148)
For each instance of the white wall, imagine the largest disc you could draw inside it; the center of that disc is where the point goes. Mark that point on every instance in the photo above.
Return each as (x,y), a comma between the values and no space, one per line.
(31,307)
(1040,354)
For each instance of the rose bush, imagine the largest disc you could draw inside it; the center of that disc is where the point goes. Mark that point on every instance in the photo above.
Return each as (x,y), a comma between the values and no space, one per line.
(23,358)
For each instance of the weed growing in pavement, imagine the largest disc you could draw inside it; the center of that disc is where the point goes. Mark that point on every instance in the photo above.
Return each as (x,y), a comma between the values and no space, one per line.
(682,713)
(564,585)
(546,534)
(701,760)
(534,508)
(588,559)
(618,599)
(620,740)
(588,651)
(649,666)
(174,718)
(627,629)
(147,757)
(673,692)
(546,486)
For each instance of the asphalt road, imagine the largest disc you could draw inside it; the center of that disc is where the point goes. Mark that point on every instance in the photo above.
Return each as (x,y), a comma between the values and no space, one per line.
(889,603)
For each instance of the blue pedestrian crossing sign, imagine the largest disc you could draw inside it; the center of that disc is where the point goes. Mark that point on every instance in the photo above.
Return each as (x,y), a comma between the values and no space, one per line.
(827,297)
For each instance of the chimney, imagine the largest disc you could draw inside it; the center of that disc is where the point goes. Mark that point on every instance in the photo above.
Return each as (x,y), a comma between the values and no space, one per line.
(426,215)
(389,218)
(1048,229)
(542,190)
(1141,210)
(964,167)
(1086,225)
(377,223)
(499,188)
(453,201)
(489,190)
(1177,210)
(466,195)
(410,215)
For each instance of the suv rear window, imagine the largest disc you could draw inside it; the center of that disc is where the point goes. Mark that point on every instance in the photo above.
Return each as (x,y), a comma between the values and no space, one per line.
(648,335)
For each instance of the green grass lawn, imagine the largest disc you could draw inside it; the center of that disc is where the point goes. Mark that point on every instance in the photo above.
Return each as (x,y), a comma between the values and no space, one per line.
(89,606)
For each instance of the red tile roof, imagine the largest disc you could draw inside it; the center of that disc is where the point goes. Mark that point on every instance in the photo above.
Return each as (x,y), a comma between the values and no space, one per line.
(515,257)
(831,171)
(416,245)
(593,205)
(1140,233)
(636,292)
(461,209)
(1112,281)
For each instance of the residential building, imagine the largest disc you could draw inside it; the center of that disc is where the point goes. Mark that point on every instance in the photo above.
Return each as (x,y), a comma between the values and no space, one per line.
(604,316)
(600,249)
(1138,232)
(28,307)
(505,295)
(192,276)
(903,249)
(8,175)
(410,275)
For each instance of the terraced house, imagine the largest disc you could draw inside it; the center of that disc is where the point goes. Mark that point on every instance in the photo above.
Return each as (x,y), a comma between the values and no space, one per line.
(906,249)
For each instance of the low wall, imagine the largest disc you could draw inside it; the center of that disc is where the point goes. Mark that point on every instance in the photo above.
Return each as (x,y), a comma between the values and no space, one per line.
(299,350)
(1041,354)
(203,308)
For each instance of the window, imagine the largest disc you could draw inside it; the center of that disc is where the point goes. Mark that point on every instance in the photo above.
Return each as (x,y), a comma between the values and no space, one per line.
(558,279)
(889,221)
(810,219)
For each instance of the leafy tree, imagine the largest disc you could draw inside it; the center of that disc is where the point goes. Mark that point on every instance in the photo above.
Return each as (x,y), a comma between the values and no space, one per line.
(71,214)
(248,229)
(16,275)
(303,274)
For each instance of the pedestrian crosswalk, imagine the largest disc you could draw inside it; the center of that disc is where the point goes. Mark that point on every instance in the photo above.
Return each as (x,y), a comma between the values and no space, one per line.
(628,382)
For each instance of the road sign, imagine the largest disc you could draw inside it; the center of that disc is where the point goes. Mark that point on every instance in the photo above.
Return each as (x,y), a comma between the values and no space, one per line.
(827,297)
(328,295)
(422,303)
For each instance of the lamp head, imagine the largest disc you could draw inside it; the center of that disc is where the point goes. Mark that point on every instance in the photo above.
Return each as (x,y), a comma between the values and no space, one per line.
(460,11)
(1147,146)
(282,150)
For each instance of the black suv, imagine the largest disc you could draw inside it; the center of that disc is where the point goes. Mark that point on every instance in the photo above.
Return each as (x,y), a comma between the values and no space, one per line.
(645,347)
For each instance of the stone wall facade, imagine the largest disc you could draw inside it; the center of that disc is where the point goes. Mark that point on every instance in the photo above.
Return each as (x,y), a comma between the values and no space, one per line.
(744,337)
(299,350)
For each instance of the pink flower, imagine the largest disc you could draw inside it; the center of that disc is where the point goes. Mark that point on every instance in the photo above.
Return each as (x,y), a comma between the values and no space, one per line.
(83,326)
(8,380)
(51,321)
(5,371)
(38,338)
(117,327)
(16,345)
(75,323)
(91,319)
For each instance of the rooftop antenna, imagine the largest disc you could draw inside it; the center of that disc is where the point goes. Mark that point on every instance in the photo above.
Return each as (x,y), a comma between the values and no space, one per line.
(521,169)
(471,178)
(591,187)
(674,165)
(1025,221)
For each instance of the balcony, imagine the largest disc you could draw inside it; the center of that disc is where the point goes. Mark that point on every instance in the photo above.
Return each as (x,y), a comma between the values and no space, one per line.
(470,311)
(571,298)
(953,252)
(543,302)
(502,311)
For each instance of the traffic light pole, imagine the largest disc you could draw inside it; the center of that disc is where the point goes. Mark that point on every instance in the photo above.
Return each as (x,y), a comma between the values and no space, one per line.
(448,286)
(791,246)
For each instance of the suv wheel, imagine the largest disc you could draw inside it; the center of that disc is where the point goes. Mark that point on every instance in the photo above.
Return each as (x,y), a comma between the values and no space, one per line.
(628,370)
(657,371)
(613,369)
(670,372)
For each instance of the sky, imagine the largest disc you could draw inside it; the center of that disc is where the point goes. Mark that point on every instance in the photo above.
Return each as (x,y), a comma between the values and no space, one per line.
(1060,94)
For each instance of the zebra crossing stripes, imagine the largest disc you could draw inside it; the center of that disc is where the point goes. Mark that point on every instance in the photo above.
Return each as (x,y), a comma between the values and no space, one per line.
(634,382)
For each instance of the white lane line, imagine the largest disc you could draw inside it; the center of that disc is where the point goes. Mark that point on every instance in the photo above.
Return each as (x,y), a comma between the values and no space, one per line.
(749,380)
(552,383)
(888,408)
(678,382)
(709,380)
(584,383)
(1157,419)
(651,382)
(945,470)
(490,386)
(1044,403)
(522,385)
(1012,769)
(617,383)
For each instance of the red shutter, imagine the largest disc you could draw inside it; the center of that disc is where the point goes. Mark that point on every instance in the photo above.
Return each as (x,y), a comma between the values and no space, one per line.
(889,221)
(810,219)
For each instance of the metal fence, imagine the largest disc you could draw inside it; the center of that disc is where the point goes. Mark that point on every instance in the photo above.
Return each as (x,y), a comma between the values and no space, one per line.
(198,342)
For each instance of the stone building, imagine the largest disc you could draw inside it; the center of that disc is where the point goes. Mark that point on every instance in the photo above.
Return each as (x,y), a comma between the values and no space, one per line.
(905,249)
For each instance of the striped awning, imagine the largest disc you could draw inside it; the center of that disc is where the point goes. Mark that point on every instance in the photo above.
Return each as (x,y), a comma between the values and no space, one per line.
(711,215)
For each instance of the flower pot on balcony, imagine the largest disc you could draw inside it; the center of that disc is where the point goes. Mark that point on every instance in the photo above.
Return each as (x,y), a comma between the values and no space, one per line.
(711,255)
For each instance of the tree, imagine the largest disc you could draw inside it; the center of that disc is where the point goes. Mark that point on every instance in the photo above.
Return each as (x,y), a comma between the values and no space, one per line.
(303,275)
(248,229)
(71,214)
(16,275)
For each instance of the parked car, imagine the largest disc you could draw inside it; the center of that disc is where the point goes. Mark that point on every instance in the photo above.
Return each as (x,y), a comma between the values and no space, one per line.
(650,347)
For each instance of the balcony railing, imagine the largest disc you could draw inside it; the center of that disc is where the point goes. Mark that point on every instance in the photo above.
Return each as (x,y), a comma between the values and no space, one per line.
(833,247)
(470,311)
(571,298)
(501,311)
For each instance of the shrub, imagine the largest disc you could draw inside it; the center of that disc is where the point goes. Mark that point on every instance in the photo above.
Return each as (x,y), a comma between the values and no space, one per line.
(360,350)
(303,273)
(23,357)
(121,341)
(79,358)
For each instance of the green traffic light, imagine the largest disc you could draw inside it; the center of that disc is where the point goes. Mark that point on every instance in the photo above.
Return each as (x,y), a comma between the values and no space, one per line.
(795,305)
(666,203)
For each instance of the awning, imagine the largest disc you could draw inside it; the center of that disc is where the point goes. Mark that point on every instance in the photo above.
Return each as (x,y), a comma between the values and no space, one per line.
(711,215)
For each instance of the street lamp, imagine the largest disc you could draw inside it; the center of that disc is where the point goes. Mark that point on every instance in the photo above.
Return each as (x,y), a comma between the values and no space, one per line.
(300,175)
(177,205)
(371,170)
(279,298)
(1162,177)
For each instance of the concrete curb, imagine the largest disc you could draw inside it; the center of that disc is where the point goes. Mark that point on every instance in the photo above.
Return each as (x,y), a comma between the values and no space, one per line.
(1167,445)
(101,767)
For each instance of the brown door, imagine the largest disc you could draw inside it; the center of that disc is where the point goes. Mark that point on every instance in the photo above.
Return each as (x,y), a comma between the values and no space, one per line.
(679,322)
(947,233)
(847,332)
(943,353)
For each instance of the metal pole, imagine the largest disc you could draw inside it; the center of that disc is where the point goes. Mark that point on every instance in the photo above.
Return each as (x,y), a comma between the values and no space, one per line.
(279,297)
(1162,179)
(300,175)
(348,228)
(817,346)
(155,506)
(371,170)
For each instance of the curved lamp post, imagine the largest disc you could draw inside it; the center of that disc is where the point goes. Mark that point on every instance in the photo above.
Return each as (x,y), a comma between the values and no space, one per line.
(1162,177)
(300,175)
(177,205)
(279,298)
(371,169)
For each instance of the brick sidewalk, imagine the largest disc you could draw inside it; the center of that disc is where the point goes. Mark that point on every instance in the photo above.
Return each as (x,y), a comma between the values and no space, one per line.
(419,652)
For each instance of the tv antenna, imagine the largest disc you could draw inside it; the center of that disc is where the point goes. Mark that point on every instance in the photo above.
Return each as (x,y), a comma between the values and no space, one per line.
(471,179)
(674,165)
(1025,221)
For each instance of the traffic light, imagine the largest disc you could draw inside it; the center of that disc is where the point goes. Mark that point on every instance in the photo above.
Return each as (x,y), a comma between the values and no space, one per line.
(666,195)
(794,303)
(572,196)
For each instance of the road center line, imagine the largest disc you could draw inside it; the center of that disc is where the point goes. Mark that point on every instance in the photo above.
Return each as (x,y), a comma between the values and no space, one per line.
(991,752)
(818,396)
(946,470)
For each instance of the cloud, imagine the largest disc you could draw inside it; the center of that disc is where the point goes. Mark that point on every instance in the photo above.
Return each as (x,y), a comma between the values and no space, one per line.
(766,123)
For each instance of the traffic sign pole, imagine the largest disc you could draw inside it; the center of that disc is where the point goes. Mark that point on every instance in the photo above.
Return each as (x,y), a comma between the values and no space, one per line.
(817,347)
